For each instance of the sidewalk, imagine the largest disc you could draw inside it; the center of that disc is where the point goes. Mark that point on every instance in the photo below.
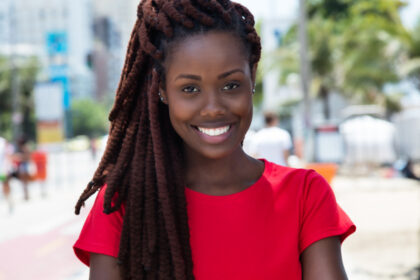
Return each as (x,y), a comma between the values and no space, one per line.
(387,215)
(36,238)
(39,235)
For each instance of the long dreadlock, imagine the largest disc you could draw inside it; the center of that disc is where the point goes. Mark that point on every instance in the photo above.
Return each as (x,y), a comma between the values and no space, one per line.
(143,159)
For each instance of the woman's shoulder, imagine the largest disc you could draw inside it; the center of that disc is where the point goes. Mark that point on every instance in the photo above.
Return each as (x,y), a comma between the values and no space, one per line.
(277,171)
(101,232)
(290,178)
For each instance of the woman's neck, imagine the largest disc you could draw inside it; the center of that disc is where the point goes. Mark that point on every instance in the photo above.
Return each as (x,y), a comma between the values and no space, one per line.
(222,176)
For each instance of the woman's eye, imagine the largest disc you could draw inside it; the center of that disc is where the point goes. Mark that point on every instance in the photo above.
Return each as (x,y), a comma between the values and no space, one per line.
(190,89)
(231,86)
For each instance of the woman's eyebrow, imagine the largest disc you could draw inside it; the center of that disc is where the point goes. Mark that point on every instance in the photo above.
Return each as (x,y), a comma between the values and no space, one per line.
(198,78)
(224,75)
(188,76)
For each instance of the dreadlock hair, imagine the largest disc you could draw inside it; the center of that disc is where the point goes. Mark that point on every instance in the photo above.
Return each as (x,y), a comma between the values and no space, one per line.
(143,161)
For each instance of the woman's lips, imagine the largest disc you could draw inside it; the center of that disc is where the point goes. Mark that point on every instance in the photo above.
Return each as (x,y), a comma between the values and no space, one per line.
(214,131)
(214,135)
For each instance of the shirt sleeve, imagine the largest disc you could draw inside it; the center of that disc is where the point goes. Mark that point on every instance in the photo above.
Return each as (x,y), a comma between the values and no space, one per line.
(321,216)
(101,232)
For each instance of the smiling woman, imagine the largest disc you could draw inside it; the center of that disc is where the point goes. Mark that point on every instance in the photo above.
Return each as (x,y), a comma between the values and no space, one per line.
(178,197)
(208,90)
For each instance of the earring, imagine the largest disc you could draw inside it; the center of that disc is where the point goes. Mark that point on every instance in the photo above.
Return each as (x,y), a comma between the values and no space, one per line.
(161,97)
(253,91)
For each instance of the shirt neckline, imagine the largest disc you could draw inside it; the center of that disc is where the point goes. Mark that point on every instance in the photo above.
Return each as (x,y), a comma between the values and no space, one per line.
(250,189)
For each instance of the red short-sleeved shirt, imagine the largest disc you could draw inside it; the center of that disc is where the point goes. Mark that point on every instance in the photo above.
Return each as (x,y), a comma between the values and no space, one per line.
(258,233)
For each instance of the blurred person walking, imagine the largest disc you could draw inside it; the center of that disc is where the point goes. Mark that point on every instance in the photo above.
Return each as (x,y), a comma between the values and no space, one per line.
(408,170)
(3,171)
(6,151)
(20,167)
(93,147)
(272,142)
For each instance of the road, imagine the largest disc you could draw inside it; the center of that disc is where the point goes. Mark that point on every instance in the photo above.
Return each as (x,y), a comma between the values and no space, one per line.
(36,239)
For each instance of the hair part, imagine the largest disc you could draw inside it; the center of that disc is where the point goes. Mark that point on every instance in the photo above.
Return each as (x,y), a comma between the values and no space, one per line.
(142,163)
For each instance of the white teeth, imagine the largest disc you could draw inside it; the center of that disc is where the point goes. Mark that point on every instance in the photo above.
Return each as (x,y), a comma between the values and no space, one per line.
(214,131)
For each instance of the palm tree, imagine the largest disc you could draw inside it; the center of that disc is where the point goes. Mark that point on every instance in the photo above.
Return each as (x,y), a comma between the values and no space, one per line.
(354,46)
(411,67)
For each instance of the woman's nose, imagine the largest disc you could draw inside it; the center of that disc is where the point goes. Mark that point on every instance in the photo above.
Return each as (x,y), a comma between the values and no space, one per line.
(213,105)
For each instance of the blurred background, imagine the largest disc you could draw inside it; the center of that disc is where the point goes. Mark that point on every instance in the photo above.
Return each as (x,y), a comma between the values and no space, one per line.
(343,77)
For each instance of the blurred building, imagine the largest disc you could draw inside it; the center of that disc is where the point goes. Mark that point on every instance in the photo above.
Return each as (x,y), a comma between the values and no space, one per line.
(113,22)
(408,127)
(58,32)
(106,59)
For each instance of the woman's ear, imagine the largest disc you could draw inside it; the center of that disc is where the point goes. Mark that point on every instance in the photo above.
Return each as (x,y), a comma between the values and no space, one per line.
(161,92)
(162,95)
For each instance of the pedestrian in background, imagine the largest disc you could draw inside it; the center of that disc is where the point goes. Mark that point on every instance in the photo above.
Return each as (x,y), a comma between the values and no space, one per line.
(271,142)
(3,162)
(408,170)
(178,197)
(20,162)
(93,147)
(5,167)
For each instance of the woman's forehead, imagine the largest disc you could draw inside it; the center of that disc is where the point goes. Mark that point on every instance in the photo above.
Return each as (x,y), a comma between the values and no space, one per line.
(204,52)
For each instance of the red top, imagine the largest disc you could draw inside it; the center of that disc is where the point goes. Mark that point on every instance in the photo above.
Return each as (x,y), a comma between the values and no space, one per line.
(258,233)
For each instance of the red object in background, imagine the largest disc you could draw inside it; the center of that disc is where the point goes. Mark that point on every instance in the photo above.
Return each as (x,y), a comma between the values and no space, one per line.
(327,128)
(39,158)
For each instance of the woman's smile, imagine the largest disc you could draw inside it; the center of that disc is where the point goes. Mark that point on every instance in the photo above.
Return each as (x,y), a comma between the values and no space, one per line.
(214,135)
(214,131)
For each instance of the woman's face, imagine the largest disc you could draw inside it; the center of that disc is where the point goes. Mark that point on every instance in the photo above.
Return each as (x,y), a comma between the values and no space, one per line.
(208,89)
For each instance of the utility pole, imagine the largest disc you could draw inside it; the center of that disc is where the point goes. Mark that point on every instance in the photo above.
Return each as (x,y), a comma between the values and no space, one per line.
(305,81)
(14,86)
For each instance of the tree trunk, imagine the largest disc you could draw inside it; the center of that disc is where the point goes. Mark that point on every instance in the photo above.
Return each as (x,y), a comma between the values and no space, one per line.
(324,94)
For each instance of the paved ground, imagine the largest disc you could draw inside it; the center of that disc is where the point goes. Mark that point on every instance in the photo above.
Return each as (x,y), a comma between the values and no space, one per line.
(387,214)
(36,239)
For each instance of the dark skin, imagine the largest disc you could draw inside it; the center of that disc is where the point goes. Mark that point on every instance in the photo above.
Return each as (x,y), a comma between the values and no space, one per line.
(209,87)
(103,267)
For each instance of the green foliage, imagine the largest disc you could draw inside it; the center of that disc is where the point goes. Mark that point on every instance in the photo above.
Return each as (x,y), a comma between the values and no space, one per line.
(392,103)
(412,66)
(328,8)
(26,74)
(354,48)
(258,95)
(89,118)
(5,99)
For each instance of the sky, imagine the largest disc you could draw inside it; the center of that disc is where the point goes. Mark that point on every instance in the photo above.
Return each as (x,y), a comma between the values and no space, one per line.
(411,14)
(287,10)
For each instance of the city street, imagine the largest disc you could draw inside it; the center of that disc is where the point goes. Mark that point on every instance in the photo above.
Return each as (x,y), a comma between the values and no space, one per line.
(36,238)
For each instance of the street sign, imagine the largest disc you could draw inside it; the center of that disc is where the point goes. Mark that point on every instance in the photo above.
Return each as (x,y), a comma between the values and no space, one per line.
(49,110)
(57,43)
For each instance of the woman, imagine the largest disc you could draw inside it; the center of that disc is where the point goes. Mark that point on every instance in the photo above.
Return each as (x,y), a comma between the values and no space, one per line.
(179,199)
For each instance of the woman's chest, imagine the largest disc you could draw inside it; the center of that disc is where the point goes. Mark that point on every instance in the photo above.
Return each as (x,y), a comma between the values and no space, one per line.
(244,241)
